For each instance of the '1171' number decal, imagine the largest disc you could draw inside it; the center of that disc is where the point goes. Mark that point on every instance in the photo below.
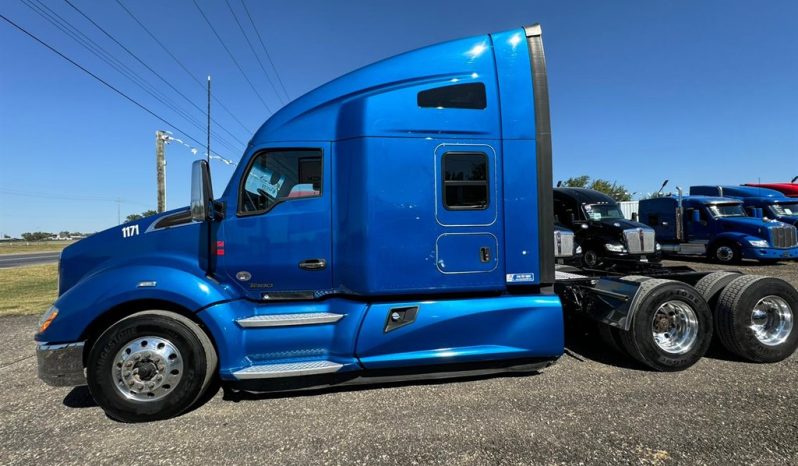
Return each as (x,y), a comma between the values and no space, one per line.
(132,230)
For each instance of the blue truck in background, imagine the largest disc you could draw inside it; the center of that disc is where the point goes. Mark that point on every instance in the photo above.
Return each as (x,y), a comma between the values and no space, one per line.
(758,202)
(718,228)
(393,224)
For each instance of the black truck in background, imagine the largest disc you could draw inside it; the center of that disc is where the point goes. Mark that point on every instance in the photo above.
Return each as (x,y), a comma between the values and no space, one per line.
(605,237)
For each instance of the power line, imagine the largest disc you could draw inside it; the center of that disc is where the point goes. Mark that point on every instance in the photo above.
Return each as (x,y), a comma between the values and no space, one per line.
(101,80)
(265,73)
(213,29)
(110,36)
(191,75)
(269,57)
(64,26)
(13,192)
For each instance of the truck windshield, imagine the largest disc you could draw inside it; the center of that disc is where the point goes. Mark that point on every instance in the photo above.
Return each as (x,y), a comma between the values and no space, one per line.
(603,211)
(785,209)
(727,210)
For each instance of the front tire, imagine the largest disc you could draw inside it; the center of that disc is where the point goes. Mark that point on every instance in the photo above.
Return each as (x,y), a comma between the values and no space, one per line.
(726,253)
(591,258)
(756,318)
(149,366)
(672,327)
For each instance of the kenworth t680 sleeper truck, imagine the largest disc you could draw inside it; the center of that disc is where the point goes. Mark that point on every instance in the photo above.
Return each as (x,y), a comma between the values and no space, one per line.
(395,223)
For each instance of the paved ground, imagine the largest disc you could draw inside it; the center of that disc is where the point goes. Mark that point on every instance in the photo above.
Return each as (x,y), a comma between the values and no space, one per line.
(33,258)
(592,407)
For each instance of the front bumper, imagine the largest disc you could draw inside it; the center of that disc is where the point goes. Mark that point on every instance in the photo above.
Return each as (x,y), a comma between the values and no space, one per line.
(770,253)
(61,365)
(626,257)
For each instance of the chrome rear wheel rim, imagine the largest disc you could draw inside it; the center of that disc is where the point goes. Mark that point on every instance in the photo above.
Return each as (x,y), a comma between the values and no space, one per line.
(147,369)
(675,327)
(772,320)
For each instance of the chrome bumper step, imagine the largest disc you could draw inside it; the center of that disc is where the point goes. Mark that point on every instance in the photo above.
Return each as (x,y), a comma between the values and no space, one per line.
(283,320)
(291,369)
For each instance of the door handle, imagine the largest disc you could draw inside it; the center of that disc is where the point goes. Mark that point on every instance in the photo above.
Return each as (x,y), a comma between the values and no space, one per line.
(313,264)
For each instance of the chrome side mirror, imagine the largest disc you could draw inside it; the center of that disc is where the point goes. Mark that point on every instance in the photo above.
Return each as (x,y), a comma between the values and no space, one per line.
(201,192)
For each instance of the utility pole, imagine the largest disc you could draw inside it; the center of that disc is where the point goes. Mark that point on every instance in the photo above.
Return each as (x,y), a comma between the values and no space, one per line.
(208,147)
(160,168)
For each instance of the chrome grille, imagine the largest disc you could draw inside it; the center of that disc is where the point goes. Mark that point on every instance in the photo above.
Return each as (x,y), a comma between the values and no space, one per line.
(783,236)
(639,240)
(563,244)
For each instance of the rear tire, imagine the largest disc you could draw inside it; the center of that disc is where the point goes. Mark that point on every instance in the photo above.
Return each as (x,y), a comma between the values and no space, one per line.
(710,286)
(149,366)
(609,336)
(672,327)
(756,318)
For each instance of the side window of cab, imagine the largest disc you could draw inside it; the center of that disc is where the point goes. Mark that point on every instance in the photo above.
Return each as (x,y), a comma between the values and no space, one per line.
(276,176)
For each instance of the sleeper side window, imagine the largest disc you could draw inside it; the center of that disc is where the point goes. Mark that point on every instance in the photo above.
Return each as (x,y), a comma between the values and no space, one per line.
(465,181)
(281,175)
(469,96)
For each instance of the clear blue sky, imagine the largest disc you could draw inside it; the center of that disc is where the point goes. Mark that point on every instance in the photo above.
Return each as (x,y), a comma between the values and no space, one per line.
(693,91)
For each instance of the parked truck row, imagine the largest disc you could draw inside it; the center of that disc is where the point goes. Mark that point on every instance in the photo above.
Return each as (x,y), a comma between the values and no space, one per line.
(396,223)
(722,223)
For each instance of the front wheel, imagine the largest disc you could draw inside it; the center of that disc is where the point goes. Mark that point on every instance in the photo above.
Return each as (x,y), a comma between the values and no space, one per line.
(671,328)
(726,253)
(149,366)
(591,258)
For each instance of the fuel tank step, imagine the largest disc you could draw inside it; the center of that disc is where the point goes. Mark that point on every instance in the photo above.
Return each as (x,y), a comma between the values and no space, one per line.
(292,369)
(283,320)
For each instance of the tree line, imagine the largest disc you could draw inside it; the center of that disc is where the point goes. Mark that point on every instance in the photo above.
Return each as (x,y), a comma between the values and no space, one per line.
(613,189)
(45,235)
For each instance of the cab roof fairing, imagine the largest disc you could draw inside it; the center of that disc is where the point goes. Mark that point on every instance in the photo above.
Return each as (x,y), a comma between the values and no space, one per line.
(342,108)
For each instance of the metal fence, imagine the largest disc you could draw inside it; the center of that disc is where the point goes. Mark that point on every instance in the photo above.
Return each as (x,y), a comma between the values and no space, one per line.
(628,208)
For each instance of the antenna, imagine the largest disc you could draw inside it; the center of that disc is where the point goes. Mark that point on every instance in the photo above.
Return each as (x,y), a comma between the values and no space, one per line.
(208,147)
(662,187)
(794,179)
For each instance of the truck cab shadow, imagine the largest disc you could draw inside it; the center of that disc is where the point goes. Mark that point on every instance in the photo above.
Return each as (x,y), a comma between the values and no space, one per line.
(79,397)
(582,342)
(234,394)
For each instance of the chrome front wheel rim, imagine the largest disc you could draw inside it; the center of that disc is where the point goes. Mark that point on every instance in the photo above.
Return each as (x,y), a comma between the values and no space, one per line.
(675,327)
(147,368)
(772,320)
(725,253)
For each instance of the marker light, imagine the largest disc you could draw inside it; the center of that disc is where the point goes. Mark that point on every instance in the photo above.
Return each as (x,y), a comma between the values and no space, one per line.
(47,318)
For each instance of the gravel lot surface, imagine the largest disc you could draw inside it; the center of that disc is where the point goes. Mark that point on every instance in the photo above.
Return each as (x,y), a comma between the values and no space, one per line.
(592,407)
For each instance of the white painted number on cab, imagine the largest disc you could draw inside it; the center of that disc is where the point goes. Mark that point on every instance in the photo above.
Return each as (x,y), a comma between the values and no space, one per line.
(132,230)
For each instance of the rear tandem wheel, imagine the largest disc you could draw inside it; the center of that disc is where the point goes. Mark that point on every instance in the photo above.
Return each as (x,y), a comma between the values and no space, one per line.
(671,328)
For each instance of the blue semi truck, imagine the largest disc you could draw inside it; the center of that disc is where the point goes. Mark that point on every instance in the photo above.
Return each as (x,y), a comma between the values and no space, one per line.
(718,228)
(395,223)
(758,202)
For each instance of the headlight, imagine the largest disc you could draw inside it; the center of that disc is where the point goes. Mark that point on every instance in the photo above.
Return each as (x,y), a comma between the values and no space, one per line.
(659,247)
(758,243)
(615,247)
(578,250)
(47,318)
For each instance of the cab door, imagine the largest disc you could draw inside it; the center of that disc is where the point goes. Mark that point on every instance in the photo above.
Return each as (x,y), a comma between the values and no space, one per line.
(278,243)
(698,229)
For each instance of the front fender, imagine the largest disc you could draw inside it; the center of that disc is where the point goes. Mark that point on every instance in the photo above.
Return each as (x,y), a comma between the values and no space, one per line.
(735,237)
(86,301)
